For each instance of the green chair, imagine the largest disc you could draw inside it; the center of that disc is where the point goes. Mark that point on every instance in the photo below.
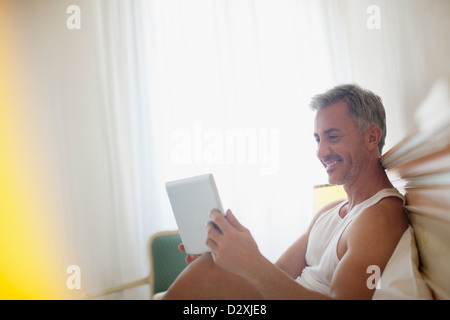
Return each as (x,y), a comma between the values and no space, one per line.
(166,263)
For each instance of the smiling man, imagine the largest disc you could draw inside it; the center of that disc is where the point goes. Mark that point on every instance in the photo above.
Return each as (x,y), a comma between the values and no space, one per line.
(345,239)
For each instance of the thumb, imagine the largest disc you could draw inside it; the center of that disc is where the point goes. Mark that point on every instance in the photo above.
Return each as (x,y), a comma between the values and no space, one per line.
(234,222)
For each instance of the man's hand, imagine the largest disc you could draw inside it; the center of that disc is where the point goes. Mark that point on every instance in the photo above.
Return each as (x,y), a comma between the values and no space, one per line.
(232,246)
(189,258)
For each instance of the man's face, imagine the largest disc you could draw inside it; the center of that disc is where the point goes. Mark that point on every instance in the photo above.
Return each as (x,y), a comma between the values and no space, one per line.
(340,144)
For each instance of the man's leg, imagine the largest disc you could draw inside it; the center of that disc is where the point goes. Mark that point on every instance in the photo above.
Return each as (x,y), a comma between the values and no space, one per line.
(203,279)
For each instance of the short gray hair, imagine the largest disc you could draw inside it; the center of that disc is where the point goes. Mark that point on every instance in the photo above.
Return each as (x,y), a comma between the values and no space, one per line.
(365,107)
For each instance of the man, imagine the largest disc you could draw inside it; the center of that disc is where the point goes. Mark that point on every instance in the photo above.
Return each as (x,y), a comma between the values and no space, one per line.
(345,238)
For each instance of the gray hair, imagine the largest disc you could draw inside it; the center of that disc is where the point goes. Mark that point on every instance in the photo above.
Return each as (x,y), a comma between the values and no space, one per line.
(365,107)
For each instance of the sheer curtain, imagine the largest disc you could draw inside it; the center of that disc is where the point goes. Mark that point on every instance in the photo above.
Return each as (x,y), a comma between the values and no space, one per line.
(230,83)
(189,87)
(148,91)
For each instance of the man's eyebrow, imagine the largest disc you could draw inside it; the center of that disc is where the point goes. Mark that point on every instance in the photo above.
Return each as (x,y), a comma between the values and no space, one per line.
(330,130)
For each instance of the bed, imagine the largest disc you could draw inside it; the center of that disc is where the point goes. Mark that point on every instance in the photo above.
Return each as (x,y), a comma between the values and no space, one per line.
(419,166)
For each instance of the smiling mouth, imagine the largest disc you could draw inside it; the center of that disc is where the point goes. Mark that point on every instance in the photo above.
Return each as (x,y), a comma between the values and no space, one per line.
(331,165)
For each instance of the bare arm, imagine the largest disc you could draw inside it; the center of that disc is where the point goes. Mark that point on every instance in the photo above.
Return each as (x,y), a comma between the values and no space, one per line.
(370,241)
(235,250)
(293,260)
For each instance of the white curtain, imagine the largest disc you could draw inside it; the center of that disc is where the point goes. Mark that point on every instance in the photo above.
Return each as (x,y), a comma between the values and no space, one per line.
(188,87)
(148,91)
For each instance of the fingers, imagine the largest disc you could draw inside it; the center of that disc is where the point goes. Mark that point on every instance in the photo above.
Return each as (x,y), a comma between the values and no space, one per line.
(224,224)
(213,239)
(189,258)
(220,228)
(214,233)
(210,242)
(234,222)
(215,227)
(219,221)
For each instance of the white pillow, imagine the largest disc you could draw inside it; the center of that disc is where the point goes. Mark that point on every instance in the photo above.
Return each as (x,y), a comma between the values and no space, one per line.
(401,278)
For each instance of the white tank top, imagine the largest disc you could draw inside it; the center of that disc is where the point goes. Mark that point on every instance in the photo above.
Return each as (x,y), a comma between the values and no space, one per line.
(321,254)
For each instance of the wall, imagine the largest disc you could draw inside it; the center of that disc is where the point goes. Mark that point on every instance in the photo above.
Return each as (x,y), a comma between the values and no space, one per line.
(401,60)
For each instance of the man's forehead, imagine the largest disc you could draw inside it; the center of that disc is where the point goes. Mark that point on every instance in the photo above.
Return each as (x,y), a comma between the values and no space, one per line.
(333,117)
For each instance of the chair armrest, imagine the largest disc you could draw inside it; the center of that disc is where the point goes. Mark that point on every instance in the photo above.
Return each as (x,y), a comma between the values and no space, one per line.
(121,287)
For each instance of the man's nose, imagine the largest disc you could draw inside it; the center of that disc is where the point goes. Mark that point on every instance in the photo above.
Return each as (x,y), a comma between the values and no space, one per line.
(323,150)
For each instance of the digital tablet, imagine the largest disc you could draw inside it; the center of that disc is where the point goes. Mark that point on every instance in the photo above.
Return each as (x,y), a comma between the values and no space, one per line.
(192,199)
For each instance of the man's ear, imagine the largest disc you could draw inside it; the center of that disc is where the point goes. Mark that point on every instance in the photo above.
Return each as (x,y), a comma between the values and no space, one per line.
(373,136)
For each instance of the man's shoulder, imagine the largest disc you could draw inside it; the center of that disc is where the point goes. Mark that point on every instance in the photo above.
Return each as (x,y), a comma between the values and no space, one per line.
(389,208)
(388,216)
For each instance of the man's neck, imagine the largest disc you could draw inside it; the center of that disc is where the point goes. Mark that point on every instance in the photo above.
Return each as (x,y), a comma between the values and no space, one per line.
(367,184)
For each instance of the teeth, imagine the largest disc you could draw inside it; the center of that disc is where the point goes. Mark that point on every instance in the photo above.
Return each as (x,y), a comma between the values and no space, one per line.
(332,163)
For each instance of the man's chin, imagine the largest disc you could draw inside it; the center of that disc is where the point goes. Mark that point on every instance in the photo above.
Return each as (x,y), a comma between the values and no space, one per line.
(334,180)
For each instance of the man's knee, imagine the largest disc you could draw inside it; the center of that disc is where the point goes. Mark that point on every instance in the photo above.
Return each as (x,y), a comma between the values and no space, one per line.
(195,280)
(203,279)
